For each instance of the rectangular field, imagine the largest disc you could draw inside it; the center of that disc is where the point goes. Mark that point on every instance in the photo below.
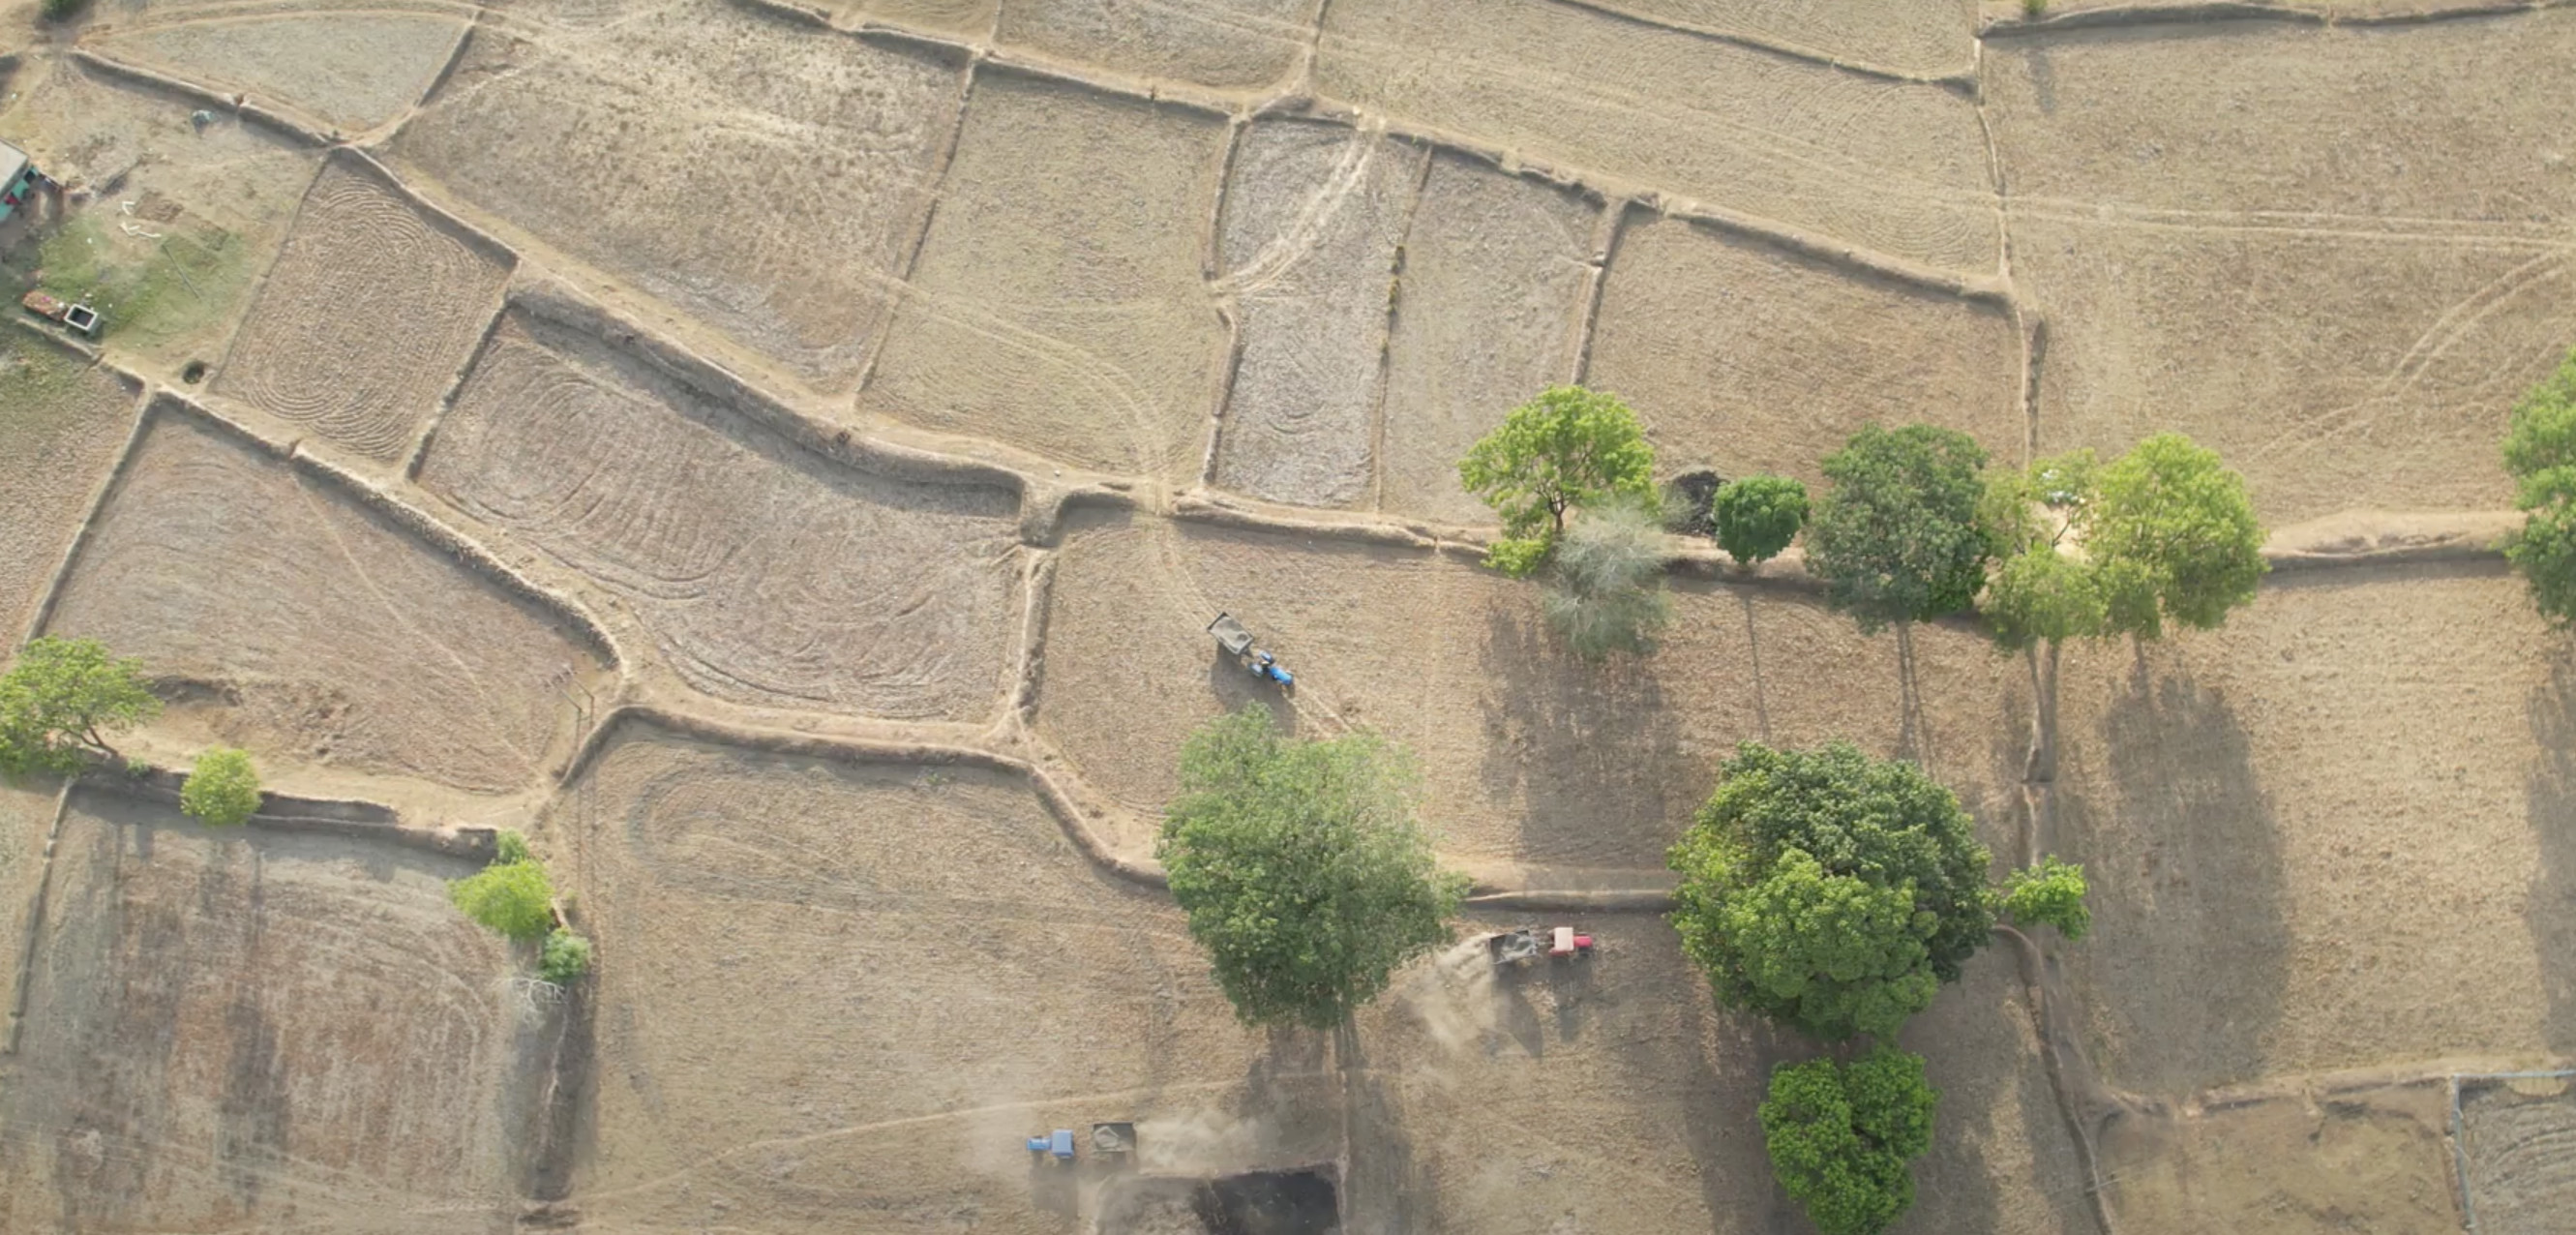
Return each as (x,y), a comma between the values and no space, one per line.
(1314,221)
(1058,303)
(256,1030)
(2255,802)
(352,69)
(1495,271)
(1749,358)
(1532,756)
(1897,167)
(1228,44)
(2514,1133)
(324,633)
(61,424)
(2307,1164)
(370,309)
(759,175)
(832,988)
(767,574)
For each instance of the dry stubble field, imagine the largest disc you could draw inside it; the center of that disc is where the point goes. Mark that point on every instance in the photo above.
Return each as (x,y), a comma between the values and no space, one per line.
(1302,254)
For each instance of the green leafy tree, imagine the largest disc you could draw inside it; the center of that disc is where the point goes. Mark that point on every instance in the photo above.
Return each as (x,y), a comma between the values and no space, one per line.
(1607,590)
(1897,538)
(2175,535)
(1302,869)
(2540,451)
(565,957)
(510,846)
(60,702)
(2052,893)
(222,789)
(1758,516)
(1829,889)
(1842,1137)
(513,898)
(1566,449)
(2041,593)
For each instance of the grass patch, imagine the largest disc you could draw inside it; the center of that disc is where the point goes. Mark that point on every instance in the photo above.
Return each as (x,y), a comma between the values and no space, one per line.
(147,291)
(40,389)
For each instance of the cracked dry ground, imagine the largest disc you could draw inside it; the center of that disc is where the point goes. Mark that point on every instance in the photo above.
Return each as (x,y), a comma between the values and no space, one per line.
(784,461)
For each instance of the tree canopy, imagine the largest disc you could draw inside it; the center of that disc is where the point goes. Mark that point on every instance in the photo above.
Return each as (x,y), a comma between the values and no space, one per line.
(1829,889)
(1897,538)
(60,702)
(1756,517)
(222,789)
(2173,532)
(2050,893)
(1302,868)
(1607,590)
(2089,550)
(514,898)
(1566,449)
(1842,1137)
(2540,451)
(564,958)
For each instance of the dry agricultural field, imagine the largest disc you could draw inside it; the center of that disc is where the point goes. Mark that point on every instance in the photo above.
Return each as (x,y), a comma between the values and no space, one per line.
(783,456)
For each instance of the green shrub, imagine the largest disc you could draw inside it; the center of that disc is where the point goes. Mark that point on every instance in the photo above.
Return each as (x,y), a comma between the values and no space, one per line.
(2034,8)
(59,702)
(565,958)
(2051,892)
(509,846)
(1607,592)
(1842,1138)
(223,789)
(513,898)
(1755,518)
(64,10)
(1688,499)
(1564,450)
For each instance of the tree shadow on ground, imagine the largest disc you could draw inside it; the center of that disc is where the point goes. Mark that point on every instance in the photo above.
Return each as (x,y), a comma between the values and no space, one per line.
(1590,746)
(1722,1120)
(2550,911)
(1976,1040)
(2162,806)
(1387,1191)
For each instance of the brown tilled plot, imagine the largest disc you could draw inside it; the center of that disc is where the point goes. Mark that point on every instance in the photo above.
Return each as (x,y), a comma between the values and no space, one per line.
(366,317)
(768,575)
(1314,217)
(349,66)
(326,632)
(61,425)
(1531,756)
(777,216)
(1057,304)
(854,987)
(776,286)
(256,1030)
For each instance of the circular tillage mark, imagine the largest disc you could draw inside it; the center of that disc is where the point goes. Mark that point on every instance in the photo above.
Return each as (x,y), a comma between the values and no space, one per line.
(368,310)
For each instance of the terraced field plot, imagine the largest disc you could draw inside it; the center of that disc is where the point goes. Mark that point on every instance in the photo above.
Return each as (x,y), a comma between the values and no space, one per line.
(779,216)
(351,66)
(1893,166)
(61,425)
(2196,785)
(1057,303)
(909,933)
(1232,44)
(338,1048)
(767,574)
(329,634)
(363,322)
(1748,358)
(1315,215)
(1531,756)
